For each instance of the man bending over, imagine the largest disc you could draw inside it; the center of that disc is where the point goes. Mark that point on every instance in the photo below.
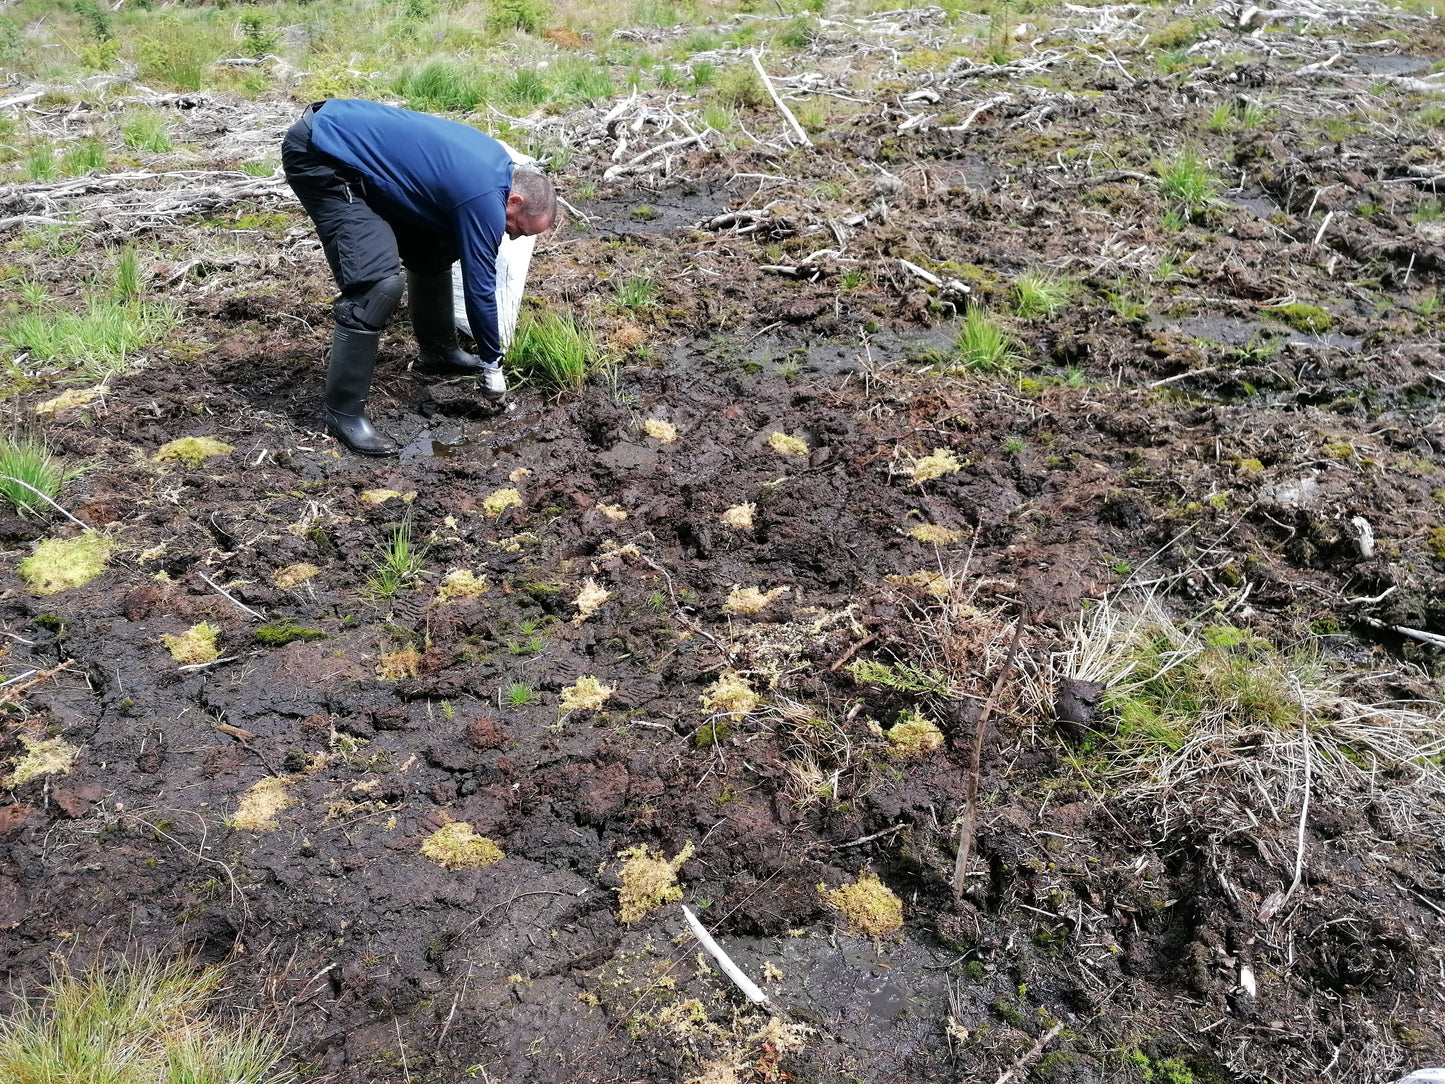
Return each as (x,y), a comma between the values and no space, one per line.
(390,189)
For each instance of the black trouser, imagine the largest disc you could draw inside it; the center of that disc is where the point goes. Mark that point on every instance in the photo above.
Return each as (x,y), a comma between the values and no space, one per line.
(363,246)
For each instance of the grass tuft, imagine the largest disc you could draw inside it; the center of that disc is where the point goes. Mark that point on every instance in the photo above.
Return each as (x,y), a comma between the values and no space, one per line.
(135,1023)
(27,460)
(553,352)
(982,346)
(1038,294)
(1186,180)
(398,563)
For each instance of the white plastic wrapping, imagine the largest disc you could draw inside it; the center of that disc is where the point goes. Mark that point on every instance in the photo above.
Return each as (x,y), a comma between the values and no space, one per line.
(514,259)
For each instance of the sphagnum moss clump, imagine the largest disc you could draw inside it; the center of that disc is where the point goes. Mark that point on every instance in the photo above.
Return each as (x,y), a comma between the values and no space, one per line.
(868,906)
(457,846)
(59,564)
(648,881)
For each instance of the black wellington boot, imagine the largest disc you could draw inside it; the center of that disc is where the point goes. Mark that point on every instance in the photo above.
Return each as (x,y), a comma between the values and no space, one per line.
(434,321)
(348,384)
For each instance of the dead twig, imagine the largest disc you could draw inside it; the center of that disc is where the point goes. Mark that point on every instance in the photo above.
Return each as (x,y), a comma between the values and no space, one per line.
(230,598)
(1027,1058)
(746,985)
(47,500)
(12,695)
(970,809)
(797,129)
(843,658)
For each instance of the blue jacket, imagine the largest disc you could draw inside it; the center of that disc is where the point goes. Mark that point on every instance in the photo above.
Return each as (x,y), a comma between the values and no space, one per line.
(436,174)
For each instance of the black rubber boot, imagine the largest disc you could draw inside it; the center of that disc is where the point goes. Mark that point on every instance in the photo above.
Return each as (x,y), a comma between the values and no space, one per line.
(434,321)
(348,384)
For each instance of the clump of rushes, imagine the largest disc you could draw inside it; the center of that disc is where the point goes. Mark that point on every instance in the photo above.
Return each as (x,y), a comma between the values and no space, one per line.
(1037,294)
(147,132)
(553,352)
(27,469)
(129,281)
(136,1023)
(1186,180)
(637,292)
(982,346)
(443,85)
(398,562)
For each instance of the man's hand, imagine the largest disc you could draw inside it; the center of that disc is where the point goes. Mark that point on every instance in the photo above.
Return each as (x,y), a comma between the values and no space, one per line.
(492,382)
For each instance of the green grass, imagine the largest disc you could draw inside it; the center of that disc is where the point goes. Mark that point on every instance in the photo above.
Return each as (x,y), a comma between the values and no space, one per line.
(1126,304)
(147,132)
(1038,294)
(740,88)
(441,85)
(1186,180)
(40,165)
(262,167)
(637,291)
(97,340)
(144,1023)
(27,460)
(129,279)
(519,694)
(398,562)
(718,117)
(551,351)
(982,346)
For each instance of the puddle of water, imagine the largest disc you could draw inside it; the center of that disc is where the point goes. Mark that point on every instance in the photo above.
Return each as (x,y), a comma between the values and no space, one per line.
(1261,205)
(1394,64)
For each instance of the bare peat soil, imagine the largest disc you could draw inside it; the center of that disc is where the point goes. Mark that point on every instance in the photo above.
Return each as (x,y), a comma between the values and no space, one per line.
(1230,393)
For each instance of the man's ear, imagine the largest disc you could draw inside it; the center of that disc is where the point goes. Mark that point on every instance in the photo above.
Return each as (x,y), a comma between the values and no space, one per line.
(514,200)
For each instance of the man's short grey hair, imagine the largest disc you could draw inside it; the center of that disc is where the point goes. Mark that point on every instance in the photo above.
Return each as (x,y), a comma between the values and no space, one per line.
(539,198)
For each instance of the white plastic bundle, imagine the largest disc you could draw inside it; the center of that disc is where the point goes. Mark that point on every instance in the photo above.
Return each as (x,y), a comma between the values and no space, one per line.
(514,259)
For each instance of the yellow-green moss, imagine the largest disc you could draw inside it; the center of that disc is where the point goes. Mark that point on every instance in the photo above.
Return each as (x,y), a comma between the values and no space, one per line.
(192,451)
(1436,542)
(935,535)
(497,503)
(868,906)
(395,665)
(293,575)
(59,564)
(461,583)
(648,881)
(197,644)
(730,693)
(914,736)
(929,467)
(588,694)
(786,445)
(259,808)
(457,846)
(43,756)
(751,600)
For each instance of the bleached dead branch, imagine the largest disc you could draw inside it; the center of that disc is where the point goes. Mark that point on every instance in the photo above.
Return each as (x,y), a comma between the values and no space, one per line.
(136,200)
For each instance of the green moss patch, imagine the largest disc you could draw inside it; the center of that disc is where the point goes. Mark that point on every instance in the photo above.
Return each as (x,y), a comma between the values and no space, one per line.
(58,564)
(457,846)
(286,630)
(192,451)
(868,906)
(196,645)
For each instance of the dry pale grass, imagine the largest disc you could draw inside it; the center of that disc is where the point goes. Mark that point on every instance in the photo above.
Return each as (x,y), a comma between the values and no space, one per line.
(1211,722)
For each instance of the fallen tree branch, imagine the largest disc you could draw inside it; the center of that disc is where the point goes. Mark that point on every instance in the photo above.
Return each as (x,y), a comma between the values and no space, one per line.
(746,985)
(797,129)
(613,172)
(1026,1059)
(231,598)
(1433,639)
(11,695)
(47,500)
